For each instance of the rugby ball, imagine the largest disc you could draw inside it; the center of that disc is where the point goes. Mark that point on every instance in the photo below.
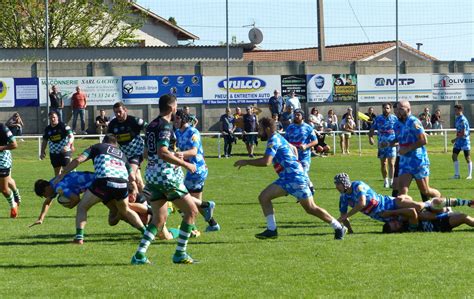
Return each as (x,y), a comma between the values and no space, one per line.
(63,199)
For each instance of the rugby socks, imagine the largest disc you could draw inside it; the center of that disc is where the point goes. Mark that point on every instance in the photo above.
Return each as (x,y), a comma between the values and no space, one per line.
(462,202)
(204,204)
(335,224)
(16,195)
(469,169)
(456,168)
(212,222)
(148,237)
(424,197)
(394,193)
(10,200)
(185,230)
(79,234)
(271,222)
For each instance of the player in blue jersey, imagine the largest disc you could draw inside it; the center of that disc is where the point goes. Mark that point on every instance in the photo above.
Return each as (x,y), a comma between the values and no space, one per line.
(414,162)
(384,124)
(110,186)
(188,140)
(361,198)
(71,187)
(7,184)
(302,136)
(462,142)
(292,180)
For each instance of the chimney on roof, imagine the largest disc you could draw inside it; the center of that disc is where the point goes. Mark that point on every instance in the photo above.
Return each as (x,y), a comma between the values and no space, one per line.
(321,42)
(418,46)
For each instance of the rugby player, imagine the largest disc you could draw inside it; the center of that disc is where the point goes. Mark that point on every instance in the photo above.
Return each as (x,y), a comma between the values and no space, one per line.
(7,183)
(462,142)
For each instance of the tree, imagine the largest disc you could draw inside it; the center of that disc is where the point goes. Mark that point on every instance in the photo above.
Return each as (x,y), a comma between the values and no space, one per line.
(78,23)
(172,20)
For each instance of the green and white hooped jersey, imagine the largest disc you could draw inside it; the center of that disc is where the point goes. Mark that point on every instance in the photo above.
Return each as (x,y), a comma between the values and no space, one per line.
(6,137)
(160,133)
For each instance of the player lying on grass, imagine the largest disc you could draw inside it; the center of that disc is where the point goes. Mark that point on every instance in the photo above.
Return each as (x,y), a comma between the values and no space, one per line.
(430,222)
(362,198)
(292,180)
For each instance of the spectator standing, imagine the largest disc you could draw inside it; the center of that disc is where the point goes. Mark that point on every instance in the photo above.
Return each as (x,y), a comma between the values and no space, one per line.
(15,124)
(276,103)
(192,117)
(348,126)
(238,120)
(56,102)
(436,121)
(101,122)
(426,111)
(293,101)
(349,112)
(278,125)
(79,105)
(227,129)
(426,121)
(250,128)
(331,120)
(367,124)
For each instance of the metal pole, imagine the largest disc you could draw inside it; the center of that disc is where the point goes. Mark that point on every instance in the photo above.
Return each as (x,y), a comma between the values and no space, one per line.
(46,4)
(397,55)
(228,50)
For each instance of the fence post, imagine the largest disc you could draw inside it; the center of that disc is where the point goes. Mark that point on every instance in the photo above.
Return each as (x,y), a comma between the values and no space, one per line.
(219,145)
(446,141)
(39,147)
(334,143)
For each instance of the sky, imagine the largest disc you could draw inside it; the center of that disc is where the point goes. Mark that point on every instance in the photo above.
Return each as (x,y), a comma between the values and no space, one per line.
(445,28)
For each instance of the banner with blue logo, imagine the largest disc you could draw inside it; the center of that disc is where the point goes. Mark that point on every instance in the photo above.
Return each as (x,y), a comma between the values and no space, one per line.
(26,92)
(382,88)
(148,89)
(242,89)
(453,87)
(296,84)
(319,88)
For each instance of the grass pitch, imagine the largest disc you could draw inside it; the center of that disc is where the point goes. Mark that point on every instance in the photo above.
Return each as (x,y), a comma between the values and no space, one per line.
(304,261)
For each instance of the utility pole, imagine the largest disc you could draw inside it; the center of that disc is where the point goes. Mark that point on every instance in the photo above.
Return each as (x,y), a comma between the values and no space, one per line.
(321,42)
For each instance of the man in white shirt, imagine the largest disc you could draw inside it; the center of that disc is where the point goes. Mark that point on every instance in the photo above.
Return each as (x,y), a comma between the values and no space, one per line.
(293,101)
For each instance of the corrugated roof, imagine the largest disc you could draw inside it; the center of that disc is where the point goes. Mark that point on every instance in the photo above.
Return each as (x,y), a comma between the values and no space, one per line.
(345,52)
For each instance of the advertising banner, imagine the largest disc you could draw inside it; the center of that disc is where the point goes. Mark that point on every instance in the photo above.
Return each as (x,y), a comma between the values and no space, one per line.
(319,88)
(7,92)
(296,83)
(381,88)
(453,87)
(100,91)
(345,87)
(148,89)
(26,92)
(242,90)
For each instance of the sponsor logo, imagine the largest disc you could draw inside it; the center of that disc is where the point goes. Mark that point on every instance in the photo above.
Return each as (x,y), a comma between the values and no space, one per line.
(391,82)
(140,87)
(319,82)
(242,84)
(3,89)
(446,81)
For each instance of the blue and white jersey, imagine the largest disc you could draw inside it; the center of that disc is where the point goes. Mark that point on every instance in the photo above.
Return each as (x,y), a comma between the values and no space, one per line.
(188,139)
(462,133)
(298,134)
(407,133)
(75,182)
(284,160)
(374,202)
(384,126)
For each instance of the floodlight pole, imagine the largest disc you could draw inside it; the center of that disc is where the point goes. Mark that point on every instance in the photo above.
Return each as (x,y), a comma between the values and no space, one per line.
(46,4)
(228,50)
(397,52)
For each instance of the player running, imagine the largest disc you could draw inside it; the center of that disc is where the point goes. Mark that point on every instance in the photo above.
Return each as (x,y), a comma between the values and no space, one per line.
(127,129)
(59,137)
(7,183)
(165,182)
(292,180)
(302,136)
(189,143)
(384,124)
(462,142)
